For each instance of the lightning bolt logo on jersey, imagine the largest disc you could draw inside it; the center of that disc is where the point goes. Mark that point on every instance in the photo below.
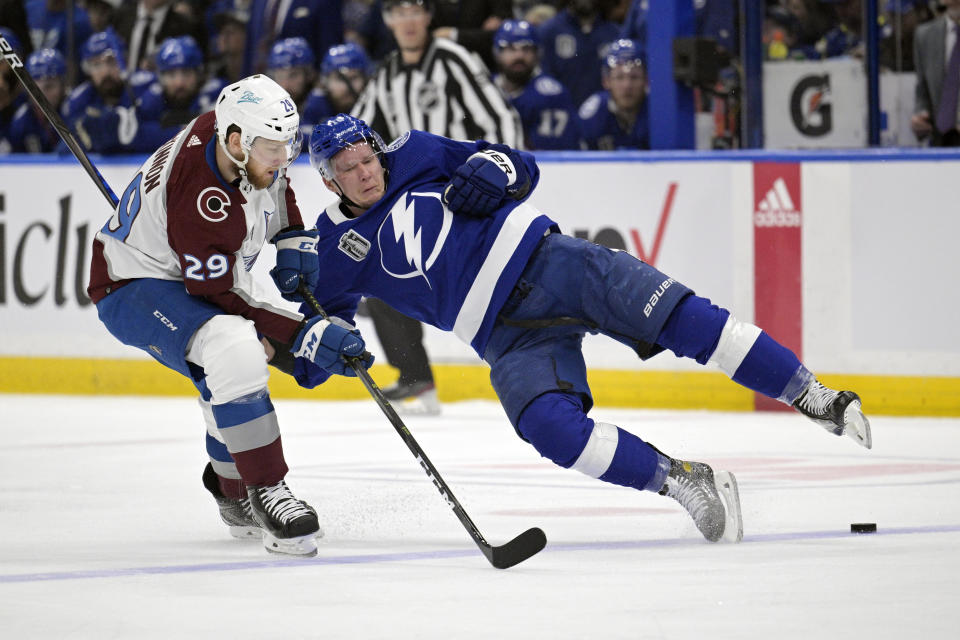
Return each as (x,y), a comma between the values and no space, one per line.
(451,271)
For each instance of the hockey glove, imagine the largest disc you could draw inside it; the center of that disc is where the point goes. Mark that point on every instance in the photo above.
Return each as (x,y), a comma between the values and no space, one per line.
(297,261)
(487,177)
(327,342)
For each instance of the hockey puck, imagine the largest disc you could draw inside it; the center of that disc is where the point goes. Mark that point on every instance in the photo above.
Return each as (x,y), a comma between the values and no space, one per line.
(863,527)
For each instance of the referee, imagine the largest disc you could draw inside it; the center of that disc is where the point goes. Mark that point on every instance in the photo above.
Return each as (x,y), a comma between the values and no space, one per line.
(435,85)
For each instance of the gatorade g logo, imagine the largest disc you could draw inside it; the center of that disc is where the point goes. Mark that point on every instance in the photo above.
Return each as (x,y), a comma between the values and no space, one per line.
(810,107)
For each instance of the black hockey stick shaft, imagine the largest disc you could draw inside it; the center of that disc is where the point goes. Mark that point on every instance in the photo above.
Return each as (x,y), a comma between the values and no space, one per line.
(13,59)
(517,550)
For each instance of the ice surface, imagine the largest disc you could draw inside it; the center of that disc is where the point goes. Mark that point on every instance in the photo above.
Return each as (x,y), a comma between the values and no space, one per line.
(108,532)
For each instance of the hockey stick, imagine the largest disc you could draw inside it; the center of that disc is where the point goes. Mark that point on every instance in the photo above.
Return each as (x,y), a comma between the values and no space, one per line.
(525,545)
(54,118)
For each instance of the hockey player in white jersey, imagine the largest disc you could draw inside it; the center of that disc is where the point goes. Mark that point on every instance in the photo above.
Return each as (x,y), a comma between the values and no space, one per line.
(170,275)
(441,231)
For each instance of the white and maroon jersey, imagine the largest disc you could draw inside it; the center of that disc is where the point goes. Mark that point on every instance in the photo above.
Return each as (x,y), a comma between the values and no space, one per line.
(180,220)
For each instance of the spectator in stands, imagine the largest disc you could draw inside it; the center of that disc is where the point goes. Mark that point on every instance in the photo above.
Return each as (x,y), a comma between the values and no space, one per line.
(291,65)
(574,42)
(30,131)
(47,20)
(344,73)
(101,109)
(11,97)
(546,111)
(229,38)
(319,22)
(936,54)
(844,38)
(814,19)
(471,24)
(900,21)
(616,118)
(101,12)
(181,93)
(144,24)
(13,22)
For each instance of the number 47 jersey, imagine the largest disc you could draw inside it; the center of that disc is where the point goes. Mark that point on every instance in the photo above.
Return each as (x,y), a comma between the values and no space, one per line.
(179,219)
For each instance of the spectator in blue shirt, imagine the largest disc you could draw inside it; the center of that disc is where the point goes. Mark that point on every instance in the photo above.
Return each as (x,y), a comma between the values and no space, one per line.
(617,118)
(30,131)
(574,43)
(546,111)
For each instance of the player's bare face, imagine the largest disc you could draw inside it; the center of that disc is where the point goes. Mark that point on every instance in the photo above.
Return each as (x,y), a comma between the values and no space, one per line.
(344,87)
(294,80)
(266,158)
(359,174)
(627,86)
(517,62)
(105,75)
(409,23)
(180,86)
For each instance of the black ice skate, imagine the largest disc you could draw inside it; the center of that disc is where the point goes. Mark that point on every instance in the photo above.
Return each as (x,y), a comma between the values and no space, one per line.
(415,398)
(289,525)
(713,501)
(839,412)
(235,513)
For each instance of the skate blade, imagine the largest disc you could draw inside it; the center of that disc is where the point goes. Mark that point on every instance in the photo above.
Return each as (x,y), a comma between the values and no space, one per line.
(302,546)
(857,426)
(726,484)
(256,533)
(246,533)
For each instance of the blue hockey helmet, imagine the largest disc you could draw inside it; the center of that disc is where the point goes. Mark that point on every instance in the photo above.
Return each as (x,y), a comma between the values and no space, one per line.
(11,39)
(345,56)
(336,134)
(515,32)
(103,42)
(290,52)
(46,63)
(181,52)
(622,53)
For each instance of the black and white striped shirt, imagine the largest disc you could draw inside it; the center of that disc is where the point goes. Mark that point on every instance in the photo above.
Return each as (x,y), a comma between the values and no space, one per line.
(448,93)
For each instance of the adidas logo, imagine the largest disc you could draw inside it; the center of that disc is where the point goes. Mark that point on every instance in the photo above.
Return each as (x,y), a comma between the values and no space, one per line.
(777,208)
(194,141)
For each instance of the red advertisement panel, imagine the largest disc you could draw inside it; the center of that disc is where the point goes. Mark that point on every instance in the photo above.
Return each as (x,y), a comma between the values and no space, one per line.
(777,264)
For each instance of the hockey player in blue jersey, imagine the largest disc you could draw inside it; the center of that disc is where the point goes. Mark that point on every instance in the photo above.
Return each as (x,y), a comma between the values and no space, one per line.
(544,104)
(291,66)
(617,117)
(180,94)
(101,109)
(31,131)
(344,73)
(11,97)
(442,231)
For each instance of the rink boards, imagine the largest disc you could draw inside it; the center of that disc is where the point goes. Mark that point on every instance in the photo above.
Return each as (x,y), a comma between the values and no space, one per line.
(847,258)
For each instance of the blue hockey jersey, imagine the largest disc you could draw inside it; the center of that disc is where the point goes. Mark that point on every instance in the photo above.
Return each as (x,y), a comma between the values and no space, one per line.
(600,129)
(454,272)
(546,112)
(157,123)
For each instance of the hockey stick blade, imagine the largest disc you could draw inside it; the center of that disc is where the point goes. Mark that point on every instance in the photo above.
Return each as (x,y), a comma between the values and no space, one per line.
(527,544)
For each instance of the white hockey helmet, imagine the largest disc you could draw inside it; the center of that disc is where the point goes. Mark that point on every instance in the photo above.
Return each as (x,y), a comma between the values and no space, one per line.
(261,109)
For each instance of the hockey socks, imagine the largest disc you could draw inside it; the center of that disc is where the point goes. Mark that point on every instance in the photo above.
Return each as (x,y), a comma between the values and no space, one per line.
(707,333)
(555,424)
(249,429)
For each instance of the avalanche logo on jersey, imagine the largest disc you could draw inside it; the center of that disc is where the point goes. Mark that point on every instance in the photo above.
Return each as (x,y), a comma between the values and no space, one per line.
(417,224)
(212,204)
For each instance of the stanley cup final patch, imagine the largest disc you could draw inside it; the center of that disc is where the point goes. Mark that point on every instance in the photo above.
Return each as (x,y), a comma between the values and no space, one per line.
(354,245)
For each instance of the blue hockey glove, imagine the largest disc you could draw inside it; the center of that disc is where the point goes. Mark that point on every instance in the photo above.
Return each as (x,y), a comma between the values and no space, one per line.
(297,261)
(327,342)
(487,177)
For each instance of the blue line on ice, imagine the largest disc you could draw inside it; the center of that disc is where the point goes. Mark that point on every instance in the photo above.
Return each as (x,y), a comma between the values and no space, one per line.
(433,555)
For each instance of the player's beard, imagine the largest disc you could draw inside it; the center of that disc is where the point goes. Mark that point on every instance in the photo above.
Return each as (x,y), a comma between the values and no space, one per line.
(180,100)
(518,74)
(259,181)
(110,89)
